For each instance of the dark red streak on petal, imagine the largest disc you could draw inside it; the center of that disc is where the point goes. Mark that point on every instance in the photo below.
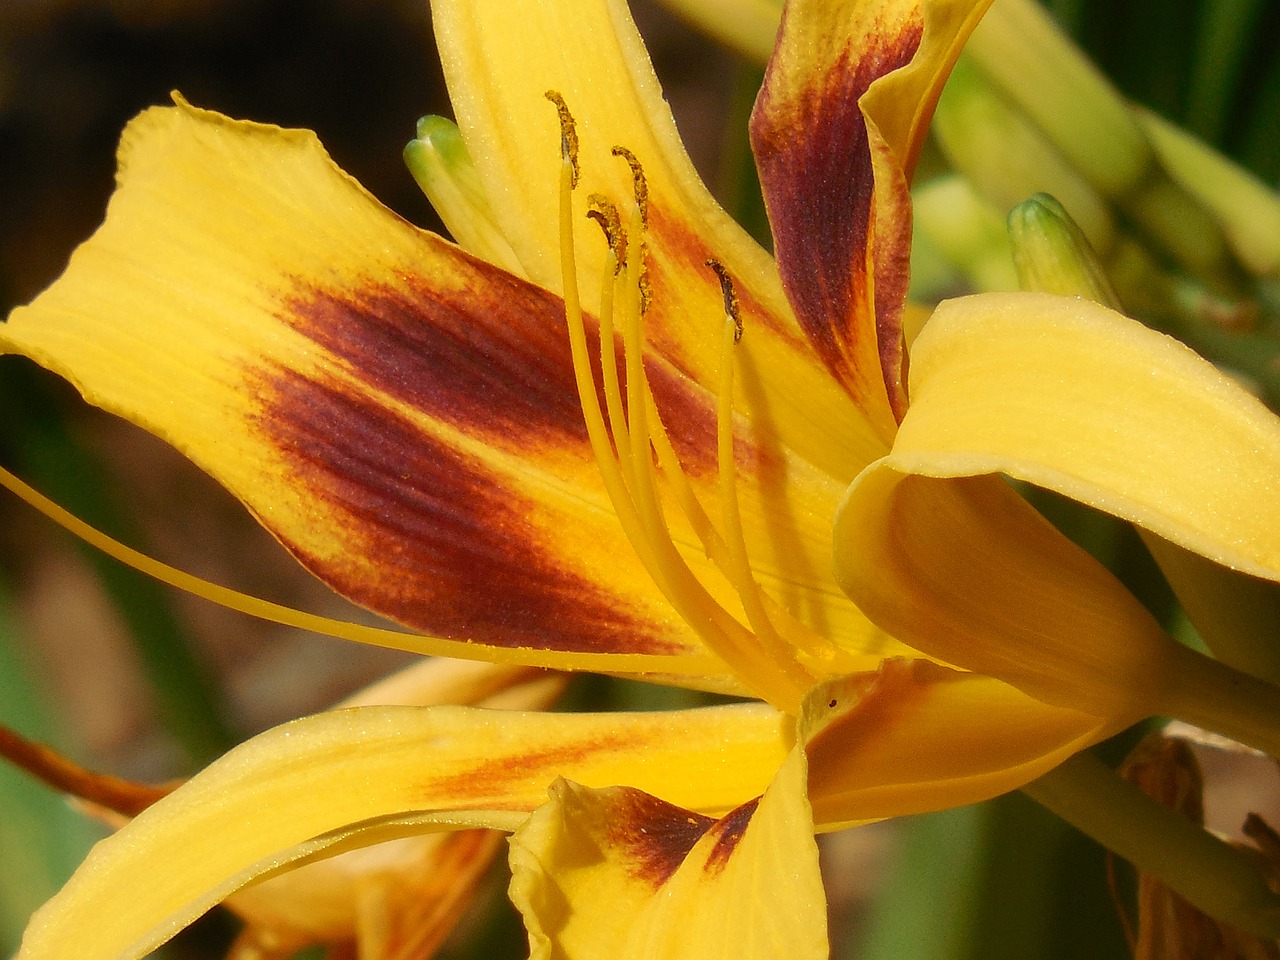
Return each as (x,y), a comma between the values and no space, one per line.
(728,831)
(676,252)
(656,836)
(689,416)
(493,361)
(490,780)
(488,352)
(431,539)
(815,168)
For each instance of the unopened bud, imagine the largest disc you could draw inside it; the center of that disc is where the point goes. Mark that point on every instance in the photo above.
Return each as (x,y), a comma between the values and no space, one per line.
(1052,255)
(440,163)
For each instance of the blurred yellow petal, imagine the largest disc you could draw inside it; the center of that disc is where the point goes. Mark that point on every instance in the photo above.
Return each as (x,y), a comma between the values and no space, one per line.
(354,777)
(396,900)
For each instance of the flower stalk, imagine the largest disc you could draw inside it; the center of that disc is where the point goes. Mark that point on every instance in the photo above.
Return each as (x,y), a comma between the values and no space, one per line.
(1210,874)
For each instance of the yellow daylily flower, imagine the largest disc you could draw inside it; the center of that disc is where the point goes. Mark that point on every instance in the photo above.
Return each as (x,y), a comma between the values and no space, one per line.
(796,516)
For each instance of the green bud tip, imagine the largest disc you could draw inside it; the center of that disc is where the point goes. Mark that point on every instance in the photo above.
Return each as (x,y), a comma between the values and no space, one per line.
(1052,255)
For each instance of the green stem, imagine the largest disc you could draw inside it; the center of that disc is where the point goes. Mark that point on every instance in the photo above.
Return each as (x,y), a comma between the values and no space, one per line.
(1207,872)
(1208,693)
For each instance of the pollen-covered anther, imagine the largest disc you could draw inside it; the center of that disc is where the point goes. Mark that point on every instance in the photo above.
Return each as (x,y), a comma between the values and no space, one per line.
(603,212)
(568,134)
(730,296)
(639,226)
(640,186)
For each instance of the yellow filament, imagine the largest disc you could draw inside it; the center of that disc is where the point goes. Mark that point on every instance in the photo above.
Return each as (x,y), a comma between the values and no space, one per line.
(378,636)
(610,473)
(658,554)
(648,504)
(814,647)
(644,526)
(740,573)
(615,259)
(637,411)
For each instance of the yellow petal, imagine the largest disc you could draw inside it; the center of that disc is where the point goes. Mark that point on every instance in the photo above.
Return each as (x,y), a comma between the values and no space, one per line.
(403,897)
(967,572)
(400,416)
(1071,396)
(619,873)
(920,737)
(835,166)
(500,56)
(353,777)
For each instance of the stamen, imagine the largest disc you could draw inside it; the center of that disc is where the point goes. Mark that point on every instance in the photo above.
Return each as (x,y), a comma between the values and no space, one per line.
(730,296)
(640,186)
(584,379)
(606,214)
(740,573)
(635,500)
(640,222)
(814,648)
(639,405)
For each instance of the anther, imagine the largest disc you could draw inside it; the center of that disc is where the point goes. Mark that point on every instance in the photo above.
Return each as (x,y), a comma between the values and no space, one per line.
(568,134)
(642,282)
(606,214)
(639,184)
(640,223)
(730,297)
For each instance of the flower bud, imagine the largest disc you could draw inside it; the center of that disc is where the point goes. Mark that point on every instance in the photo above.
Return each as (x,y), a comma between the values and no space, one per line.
(1052,254)
(440,163)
